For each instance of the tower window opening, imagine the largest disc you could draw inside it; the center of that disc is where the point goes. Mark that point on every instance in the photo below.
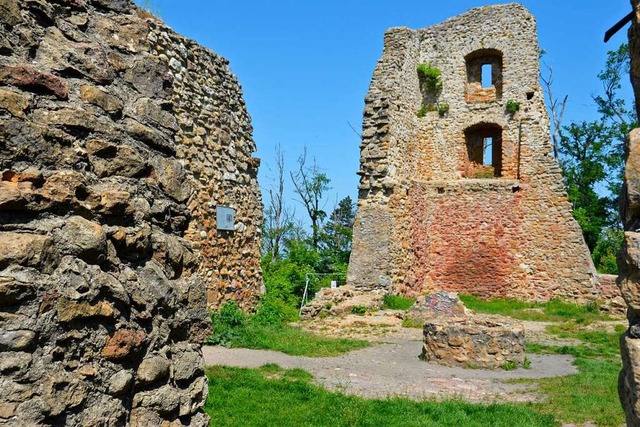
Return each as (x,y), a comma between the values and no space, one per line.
(487,75)
(484,151)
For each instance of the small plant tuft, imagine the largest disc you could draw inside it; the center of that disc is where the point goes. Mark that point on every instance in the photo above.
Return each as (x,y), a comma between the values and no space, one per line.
(510,365)
(443,108)
(422,111)
(360,310)
(397,302)
(430,77)
(410,323)
(513,106)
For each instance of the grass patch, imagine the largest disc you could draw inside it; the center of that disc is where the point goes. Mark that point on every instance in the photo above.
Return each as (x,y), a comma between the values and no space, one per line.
(272,396)
(293,340)
(590,395)
(267,331)
(397,302)
(552,311)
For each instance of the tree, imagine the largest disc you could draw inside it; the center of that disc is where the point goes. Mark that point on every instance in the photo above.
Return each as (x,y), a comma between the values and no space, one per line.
(338,232)
(556,107)
(310,185)
(278,219)
(591,155)
(584,149)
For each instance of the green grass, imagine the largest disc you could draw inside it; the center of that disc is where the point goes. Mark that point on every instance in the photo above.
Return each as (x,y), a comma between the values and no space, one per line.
(397,302)
(266,330)
(552,311)
(271,396)
(291,340)
(590,395)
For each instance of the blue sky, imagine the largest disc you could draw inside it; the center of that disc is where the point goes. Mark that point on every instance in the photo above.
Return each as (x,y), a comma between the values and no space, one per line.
(305,66)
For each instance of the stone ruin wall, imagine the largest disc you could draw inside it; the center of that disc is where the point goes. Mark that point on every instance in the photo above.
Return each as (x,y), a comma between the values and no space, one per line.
(118,138)
(423,224)
(629,259)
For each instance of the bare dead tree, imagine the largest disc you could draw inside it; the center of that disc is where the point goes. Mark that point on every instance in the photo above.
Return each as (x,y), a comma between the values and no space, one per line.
(556,107)
(278,218)
(310,184)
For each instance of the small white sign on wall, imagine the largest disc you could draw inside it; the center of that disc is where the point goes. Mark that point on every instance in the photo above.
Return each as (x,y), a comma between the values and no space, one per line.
(225,218)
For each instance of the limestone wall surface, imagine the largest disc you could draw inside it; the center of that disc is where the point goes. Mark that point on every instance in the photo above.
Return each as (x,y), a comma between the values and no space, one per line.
(118,139)
(426,220)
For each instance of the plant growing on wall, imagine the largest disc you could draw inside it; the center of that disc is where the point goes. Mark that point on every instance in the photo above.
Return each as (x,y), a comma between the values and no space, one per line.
(430,77)
(513,106)
(443,108)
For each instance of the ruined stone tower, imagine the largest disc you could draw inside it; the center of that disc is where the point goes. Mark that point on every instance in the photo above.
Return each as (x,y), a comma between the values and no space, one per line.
(459,190)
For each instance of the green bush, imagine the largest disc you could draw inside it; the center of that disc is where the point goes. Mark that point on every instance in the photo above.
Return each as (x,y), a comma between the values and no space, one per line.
(606,250)
(513,106)
(430,77)
(274,311)
(443,108)
(360,310)
(226,324)
(422,111)
(397,302)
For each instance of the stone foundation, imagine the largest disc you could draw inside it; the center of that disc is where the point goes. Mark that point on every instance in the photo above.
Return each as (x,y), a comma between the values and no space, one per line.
(474,342)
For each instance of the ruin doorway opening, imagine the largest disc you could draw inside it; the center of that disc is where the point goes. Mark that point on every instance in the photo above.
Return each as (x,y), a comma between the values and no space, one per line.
(484,150)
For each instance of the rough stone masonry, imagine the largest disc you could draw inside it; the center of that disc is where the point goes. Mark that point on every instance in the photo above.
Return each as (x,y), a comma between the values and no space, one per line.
(118,140)
(629,259)
(459,190)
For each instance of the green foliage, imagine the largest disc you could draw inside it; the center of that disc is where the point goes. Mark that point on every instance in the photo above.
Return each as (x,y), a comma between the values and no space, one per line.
(422,111)
(289,398)
(336,236)
(293,341)
(430,77)
(360,310)
(443,108)
(606,251)
(510,365)
(397,302)
(513,106)
(591,155)
(553,311)
(267,330)
(410,323)
(227,323)
(587,159)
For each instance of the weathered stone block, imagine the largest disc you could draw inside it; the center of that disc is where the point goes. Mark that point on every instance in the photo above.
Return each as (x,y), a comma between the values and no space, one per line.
(124,344)
(475,342)
(29,250)
(29,78)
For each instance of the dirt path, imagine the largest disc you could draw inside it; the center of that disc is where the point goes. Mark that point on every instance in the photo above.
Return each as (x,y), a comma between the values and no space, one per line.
(392,368)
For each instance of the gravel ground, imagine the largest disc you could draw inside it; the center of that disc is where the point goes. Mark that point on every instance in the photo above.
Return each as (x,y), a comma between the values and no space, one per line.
(393,369)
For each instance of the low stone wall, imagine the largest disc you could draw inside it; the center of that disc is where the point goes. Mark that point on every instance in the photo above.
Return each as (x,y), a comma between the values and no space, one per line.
(473,342)
(339,301)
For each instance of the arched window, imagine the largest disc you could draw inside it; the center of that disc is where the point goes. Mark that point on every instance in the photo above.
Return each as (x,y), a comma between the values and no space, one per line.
(484,75)
(484,150)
